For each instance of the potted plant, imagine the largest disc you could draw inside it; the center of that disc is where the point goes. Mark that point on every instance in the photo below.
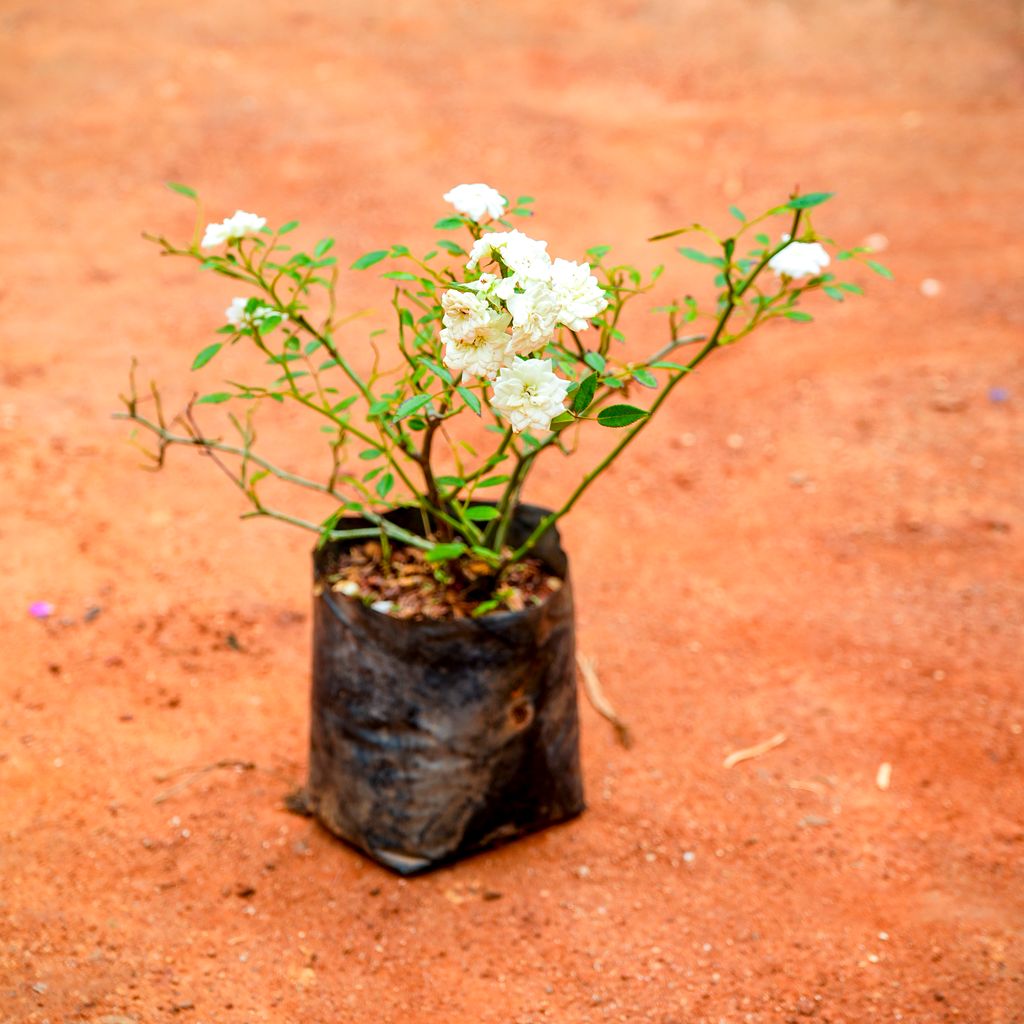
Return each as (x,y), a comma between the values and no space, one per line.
(444,703)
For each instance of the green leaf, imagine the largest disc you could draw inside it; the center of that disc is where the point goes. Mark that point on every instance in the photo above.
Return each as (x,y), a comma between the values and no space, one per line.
(323,246)
(435,368)
(469,398)
(809,200)
(737,213)
(285,228)
(880,268)
(645,378)
(449,223)
(215,399)
(853,289)
(399,275)
(182,190)
(598,252)
(481,513)
(834,293)
(384,484)
(620,415)
(485,606)
(798,315)
(763,239)
(524,200)
(449,481)
(493,481)
(455,250)
(369,259)
(445,552)
(370,453)
(670,234)
(667,364)
(585,393)
(700,257)
(595,361)
(411,405)
(206,355)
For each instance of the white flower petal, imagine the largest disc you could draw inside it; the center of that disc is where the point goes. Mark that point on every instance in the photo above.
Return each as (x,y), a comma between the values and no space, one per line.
(477,201)
(237,226)
(800,259)
(529,394)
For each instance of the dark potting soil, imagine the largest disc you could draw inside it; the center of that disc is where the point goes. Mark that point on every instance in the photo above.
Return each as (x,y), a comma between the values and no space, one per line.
(416,589)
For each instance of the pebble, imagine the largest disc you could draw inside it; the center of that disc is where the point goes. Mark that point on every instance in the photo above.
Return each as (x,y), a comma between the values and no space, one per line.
(689,856)
(930,287)
(735,441)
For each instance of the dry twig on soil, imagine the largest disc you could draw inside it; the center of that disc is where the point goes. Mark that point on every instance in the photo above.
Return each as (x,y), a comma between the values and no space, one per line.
(599,702)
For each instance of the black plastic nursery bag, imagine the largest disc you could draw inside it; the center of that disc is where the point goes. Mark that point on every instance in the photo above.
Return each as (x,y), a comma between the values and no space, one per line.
(431,740)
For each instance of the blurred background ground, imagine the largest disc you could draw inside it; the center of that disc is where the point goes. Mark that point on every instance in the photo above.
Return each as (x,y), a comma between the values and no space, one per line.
(821,537)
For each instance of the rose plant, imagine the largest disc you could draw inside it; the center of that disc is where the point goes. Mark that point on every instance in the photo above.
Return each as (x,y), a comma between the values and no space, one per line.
(492,329)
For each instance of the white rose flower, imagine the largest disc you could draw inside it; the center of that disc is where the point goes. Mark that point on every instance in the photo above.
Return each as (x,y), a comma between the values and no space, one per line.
(233,228)
(480,348)
(477,201)
(524,256)
(529,394)
(534,317)
(577,292)
(241,320)
(463,311)
(799,259)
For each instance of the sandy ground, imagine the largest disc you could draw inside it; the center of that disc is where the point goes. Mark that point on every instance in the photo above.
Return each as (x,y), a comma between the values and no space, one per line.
(821,537)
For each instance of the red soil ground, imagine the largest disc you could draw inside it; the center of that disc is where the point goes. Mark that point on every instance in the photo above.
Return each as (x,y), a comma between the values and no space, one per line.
(821,537)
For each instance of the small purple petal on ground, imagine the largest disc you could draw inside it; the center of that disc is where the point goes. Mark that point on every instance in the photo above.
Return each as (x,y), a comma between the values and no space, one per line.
(40,609)
(998,395)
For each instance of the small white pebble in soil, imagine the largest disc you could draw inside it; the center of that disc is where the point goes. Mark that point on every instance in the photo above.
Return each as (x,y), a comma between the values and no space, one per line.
(883,936)
(877,242)
(689,856)
(689,440)
(735,441)
(384,607)
(873,958)
(583,871)
(347,587)
(930,287)
(58,762)
(1016,728)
